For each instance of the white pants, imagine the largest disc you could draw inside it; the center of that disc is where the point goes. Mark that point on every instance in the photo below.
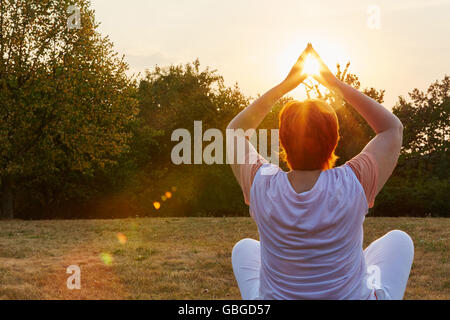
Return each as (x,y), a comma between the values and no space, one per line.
(393,254)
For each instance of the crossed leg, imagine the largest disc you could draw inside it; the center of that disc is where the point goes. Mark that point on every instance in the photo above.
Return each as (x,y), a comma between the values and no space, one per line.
(393,255)
(246,261)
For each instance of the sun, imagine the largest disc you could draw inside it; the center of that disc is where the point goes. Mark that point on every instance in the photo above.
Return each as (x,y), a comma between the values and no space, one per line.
(286,54)
(330,52)
(311,66)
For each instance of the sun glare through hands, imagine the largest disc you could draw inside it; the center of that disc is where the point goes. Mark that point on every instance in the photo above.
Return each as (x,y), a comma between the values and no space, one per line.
(311,65)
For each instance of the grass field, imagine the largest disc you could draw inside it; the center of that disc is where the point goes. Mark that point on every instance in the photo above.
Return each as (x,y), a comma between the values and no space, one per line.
(172,258)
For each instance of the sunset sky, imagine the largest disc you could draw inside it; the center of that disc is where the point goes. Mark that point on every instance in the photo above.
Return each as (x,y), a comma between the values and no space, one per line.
(254,42)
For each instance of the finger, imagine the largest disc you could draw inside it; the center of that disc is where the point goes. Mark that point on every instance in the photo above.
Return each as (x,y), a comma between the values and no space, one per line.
(313,52)
(316,55)
(305,52)
(302,56)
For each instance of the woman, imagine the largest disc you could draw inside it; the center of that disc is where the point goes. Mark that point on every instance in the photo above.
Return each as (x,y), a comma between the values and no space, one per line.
(310,218)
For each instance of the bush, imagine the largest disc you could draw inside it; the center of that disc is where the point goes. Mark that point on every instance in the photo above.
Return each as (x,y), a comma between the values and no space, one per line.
(418,198)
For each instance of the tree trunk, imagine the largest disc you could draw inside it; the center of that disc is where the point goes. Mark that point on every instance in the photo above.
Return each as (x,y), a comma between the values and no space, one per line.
(7,211)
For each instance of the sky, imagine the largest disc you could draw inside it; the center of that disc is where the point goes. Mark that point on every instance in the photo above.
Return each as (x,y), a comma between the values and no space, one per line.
(392,45)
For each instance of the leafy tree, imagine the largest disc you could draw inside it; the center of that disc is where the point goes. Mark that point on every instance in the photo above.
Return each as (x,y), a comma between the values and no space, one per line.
(174,97)
(65,98)
(419,185)
(426,119)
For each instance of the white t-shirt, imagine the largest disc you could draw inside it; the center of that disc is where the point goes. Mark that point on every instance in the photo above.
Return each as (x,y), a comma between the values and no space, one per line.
(311,243)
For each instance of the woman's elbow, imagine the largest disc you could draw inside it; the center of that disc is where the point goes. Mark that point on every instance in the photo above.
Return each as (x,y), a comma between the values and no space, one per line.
(399,134)
(397,126)
(400,125)
(400,129)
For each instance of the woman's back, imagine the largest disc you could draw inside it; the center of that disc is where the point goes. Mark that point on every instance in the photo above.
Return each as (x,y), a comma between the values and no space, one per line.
(311,243)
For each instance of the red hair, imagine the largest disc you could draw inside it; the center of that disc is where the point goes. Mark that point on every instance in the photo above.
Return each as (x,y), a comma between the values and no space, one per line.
(309,134)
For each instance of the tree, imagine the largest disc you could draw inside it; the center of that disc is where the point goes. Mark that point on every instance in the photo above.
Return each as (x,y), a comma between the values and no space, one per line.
(65,98)
(174,97)
(419,184)
(426,119)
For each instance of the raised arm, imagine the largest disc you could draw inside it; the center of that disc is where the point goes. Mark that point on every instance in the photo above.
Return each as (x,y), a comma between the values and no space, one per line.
(245,164)
(385,146)
(252,116)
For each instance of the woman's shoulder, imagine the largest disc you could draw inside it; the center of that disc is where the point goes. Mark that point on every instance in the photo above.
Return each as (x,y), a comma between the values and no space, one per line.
(269,170)
(343,178)
(267,174)
(341,172)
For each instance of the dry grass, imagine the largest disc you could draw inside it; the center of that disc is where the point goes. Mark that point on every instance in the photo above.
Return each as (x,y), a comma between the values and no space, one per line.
(173,258)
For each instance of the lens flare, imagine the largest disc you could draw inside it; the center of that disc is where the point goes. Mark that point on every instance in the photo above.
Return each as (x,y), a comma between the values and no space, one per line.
(311,65)
(157,205)
(122,238)
(168,194)
(106,258)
